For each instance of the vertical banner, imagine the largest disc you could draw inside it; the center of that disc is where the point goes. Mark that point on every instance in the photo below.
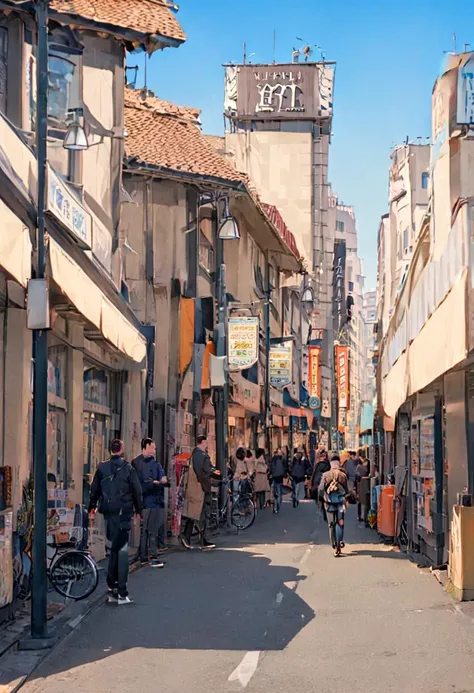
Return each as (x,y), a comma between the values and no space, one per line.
(339,285)
(342,374)
(314,380)
(243,342)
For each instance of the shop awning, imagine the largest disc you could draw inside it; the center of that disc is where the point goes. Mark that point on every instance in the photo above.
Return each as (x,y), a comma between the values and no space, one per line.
(366,417)
(15,246)
(90,301)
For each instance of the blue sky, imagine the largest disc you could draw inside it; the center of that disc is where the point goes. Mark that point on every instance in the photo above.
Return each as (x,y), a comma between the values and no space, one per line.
(388,55)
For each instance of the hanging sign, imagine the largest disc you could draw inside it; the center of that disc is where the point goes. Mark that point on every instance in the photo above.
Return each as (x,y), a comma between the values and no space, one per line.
(63,204)
(281,365)
(342,374)
(243,342)
(314,382)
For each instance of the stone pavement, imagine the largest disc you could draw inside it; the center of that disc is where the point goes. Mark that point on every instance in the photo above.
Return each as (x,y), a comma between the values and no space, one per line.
(273,610)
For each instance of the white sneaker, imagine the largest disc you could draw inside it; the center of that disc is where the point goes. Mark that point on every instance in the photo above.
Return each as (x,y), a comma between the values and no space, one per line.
(124,600)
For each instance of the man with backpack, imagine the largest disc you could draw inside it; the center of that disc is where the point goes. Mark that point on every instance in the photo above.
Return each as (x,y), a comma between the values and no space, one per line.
(116,492)
(333,490)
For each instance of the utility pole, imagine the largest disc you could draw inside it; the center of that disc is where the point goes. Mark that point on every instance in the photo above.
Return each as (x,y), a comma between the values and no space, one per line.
(40,347)
(268,296)
(220,394)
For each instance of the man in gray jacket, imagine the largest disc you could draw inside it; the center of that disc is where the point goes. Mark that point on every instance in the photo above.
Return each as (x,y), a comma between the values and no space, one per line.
(204,470)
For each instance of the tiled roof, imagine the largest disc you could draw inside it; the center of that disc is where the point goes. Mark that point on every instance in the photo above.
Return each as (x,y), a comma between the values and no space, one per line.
(143,16)
(168,136)
(138,99)
(167,140)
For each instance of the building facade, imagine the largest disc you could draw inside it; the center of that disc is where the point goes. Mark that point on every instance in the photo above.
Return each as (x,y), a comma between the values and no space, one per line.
(97,347)
(278,121)
(425,335)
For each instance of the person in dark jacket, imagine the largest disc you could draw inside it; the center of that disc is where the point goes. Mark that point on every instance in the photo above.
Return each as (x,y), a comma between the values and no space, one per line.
(320,468)
(116,491)
(204,471)
(300,469)
(153,481)
(278,471)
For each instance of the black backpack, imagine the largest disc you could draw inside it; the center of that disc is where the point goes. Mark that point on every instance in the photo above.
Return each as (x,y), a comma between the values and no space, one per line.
(111,500)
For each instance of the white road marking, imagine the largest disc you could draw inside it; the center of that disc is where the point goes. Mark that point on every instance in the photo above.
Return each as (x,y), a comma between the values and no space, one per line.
(246,669)
(73,623)
(305,556)
(279,598)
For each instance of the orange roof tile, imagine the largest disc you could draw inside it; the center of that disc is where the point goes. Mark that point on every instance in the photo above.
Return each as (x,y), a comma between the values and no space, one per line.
(170,141)
(142,16)
(147,102)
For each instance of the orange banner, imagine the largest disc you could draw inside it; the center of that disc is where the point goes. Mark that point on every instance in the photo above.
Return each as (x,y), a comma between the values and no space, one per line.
(342,374)
(314,379)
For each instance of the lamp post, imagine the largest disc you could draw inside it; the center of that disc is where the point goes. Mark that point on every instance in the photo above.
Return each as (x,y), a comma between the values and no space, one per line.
(39,323)
(227,230)
(40,348)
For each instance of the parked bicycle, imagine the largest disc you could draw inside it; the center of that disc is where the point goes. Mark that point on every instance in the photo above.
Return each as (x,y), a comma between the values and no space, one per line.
(238,505)
(71,570)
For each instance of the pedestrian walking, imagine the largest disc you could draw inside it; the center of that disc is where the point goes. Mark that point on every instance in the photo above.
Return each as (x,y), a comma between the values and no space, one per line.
(300,469)
(153,481)
(116,492)
(278,471)
(198,494)
(350,467)
(361,489)
(321,467)
(262,485)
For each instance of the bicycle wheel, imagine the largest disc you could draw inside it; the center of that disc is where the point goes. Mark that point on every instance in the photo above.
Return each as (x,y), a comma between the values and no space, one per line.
(243,512)
(74,575)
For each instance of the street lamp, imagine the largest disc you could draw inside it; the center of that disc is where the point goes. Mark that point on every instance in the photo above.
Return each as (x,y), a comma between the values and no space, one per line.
(76,138)
(307,298)
(228,227)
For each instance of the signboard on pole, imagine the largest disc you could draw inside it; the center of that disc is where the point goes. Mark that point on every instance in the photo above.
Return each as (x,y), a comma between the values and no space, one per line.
(281,365)
(342,374)
(243,342)
(314,380)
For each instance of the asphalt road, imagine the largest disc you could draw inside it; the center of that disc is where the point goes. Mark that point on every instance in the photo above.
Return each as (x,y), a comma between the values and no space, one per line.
(272,610)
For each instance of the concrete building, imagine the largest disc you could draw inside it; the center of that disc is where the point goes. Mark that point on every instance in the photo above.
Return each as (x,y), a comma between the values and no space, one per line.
(425,356)
(408,203)
(278,130)
(369,314)
(352,329)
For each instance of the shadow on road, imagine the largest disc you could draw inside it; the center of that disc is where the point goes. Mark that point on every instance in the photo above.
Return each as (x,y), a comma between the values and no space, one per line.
(221,600)
(379,554)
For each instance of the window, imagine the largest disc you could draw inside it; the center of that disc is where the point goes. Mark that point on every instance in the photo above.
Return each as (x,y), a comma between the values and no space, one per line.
(63,82)
(351,286)
(425,177)
(340,226)
(405,241)
(56,451)
(206,254)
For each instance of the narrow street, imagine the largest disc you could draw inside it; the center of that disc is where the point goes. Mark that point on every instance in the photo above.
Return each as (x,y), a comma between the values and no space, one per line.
(272,610)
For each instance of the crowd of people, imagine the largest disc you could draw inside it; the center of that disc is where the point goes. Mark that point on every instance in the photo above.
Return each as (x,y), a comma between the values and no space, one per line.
(119,489)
